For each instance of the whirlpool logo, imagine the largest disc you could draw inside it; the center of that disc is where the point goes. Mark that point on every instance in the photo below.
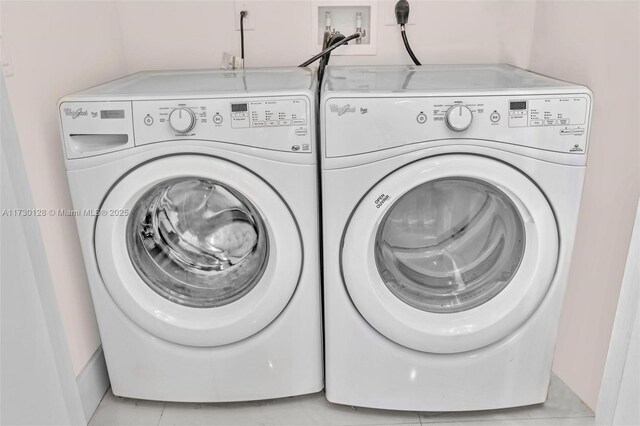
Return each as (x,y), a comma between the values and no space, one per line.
(341,110)
(74,113)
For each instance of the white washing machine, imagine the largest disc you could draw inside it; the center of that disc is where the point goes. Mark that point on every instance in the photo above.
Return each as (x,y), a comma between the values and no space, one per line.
(197,203)
(450,201)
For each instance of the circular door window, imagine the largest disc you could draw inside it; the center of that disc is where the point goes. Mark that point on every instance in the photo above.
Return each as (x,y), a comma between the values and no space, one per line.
(197,242)
(209,254)
(450,253)
(450,244)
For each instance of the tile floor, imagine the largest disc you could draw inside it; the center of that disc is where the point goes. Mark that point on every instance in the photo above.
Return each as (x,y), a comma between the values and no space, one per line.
(563,408)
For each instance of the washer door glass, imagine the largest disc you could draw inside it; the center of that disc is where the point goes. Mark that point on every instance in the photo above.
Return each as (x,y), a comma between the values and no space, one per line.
(450,245)
(197,242)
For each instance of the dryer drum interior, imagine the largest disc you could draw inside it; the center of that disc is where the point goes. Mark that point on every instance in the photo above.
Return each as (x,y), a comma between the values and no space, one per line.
(450,244)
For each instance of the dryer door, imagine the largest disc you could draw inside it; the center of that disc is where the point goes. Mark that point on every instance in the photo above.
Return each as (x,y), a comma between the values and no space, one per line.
(450,253)
(198,250)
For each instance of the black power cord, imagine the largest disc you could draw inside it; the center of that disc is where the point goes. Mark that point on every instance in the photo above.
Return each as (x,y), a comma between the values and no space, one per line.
(330,49)
(243,14)
(402,17)
(406,45)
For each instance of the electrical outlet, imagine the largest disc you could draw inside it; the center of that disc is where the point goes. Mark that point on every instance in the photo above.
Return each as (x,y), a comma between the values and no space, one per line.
(344,16)
(389,13)
(249,21)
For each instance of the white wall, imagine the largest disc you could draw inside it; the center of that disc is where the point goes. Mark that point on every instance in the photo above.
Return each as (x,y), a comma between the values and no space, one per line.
(620,390)
(37,384)
(57,48)
(201,31)
(597,44)
(77,44)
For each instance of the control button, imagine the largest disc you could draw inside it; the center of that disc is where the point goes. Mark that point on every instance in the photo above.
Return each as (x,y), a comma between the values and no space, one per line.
(182,120)
(565,132)
(148,120)
(421,118)
(578,131)
(258,124)
(549,122)
(272,123)
(299,122)
(563,121)
(536,122)
(458,118)
(295,148)
(217,119)
(305,147)
(284,122)
(494,117)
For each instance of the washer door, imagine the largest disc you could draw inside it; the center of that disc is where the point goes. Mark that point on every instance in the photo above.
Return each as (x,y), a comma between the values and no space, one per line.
(450,253)
(208,255)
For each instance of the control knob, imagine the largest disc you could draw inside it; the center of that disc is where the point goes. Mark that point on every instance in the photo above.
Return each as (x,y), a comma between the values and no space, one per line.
(458,118)
(182,120)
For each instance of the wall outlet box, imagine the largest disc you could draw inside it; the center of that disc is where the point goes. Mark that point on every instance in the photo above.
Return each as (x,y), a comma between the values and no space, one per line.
(249,21)
(343,17)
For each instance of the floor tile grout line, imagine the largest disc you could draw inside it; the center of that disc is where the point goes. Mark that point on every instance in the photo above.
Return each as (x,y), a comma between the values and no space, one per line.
(399,423)
(504,420)
(99,404)
(161,413)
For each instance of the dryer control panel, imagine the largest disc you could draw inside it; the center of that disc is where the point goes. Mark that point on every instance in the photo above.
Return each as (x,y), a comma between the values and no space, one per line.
(555,123)
(552,111)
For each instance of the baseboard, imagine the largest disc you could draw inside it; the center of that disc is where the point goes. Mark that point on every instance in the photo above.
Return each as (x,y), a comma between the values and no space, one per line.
(93,382)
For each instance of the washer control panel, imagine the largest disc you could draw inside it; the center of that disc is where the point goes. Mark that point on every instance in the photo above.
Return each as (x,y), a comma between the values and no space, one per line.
(268,113)
(275,123)
(555,123)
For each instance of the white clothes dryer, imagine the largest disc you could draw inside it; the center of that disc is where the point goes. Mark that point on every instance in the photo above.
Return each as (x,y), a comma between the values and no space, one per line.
(450,202)
(197,202)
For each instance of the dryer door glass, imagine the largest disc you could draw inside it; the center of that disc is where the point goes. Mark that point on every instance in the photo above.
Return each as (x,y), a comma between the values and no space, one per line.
(197,242)
(449,245)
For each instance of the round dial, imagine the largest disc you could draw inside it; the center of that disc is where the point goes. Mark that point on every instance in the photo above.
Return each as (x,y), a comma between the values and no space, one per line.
(182,120)
(458,118)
